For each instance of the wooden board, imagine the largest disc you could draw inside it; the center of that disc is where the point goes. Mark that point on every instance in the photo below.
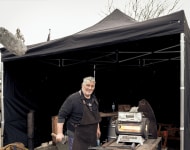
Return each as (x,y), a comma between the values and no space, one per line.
(54,128)
(108,114)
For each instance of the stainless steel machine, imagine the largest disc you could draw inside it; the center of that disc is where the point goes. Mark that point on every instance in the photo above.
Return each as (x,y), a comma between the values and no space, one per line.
(132,127)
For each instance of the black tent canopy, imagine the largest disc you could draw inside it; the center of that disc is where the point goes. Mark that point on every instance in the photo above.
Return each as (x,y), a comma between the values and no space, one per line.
(117,28)
(149,58)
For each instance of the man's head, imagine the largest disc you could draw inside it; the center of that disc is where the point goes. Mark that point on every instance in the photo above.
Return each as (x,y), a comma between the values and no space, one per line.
(88,86)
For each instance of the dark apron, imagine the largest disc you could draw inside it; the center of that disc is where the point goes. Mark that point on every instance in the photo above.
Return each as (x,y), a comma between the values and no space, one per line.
(85,133)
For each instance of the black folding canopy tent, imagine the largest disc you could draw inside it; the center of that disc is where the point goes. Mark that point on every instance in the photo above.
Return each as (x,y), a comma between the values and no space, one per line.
(130,60)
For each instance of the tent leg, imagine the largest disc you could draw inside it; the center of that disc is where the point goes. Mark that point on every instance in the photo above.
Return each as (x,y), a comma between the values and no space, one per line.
(182,88)
(2,102)
(94,71)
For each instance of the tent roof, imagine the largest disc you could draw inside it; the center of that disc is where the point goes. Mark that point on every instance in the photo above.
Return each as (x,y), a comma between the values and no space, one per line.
(115,28)
(113,21)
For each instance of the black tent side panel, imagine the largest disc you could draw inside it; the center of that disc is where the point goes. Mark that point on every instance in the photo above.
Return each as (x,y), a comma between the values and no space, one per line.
(15,128)
(22,95)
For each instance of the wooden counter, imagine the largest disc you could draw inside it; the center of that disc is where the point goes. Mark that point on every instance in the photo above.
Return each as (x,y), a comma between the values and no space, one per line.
(108,114)
(150,144)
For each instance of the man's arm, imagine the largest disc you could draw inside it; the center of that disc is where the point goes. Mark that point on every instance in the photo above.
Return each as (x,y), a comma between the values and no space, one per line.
(98,131)
(60,134)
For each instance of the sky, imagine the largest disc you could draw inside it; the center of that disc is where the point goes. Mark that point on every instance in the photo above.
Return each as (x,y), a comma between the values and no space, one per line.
(64,17)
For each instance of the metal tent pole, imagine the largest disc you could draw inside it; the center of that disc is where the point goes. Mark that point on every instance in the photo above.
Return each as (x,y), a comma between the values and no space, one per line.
(2,102)
(182,88)
(94,71)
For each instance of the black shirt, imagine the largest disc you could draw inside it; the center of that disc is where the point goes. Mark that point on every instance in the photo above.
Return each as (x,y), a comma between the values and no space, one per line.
(72,109)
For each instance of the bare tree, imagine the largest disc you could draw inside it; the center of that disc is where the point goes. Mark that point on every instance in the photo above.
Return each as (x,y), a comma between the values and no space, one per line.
(142,10)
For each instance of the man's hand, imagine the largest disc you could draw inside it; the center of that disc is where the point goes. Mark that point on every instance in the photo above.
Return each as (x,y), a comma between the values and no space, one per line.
(59,137)
(98,133)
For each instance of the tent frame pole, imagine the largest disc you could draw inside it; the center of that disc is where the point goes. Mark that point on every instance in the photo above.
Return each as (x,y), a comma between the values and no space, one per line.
(182,88)
(2,102)
(94,71)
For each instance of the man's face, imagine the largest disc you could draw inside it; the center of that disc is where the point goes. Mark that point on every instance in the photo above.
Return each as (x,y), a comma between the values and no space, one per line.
(88,88)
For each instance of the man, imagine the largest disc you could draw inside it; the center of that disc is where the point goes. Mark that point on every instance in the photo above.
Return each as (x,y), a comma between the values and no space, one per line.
(81,111)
